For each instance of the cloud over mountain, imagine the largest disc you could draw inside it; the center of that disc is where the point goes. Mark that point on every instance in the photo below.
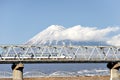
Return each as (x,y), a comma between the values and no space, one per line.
(76,33)
(115,40)
(79,33)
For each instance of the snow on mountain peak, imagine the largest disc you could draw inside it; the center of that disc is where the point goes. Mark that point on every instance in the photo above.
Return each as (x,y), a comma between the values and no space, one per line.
(55,27)
(47,35)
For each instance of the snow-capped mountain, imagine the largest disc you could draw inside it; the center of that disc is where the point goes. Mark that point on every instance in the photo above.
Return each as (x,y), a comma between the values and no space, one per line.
(76,35)
(47,36)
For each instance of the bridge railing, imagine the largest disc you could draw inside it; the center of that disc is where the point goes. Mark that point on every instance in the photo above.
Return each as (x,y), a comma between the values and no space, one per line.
(75,53)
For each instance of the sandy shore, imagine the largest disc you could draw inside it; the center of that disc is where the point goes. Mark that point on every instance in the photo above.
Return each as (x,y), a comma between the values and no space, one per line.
(68,78)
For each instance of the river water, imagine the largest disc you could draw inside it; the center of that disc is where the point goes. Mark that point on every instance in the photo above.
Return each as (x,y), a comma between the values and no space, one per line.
(62,68)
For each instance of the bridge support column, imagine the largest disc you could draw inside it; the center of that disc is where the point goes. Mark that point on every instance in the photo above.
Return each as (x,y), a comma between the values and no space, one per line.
(114,67)
(17,71)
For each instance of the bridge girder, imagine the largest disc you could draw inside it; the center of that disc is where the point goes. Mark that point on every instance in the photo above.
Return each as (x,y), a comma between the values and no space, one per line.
(36,54)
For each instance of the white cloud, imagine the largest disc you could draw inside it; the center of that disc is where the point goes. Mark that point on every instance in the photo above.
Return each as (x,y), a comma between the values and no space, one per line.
(79,33)
(115,41)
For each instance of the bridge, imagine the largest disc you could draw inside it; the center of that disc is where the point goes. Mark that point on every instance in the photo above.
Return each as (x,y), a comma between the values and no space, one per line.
(21,54)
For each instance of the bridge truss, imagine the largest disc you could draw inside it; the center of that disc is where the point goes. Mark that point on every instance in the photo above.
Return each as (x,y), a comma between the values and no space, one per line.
(50,54)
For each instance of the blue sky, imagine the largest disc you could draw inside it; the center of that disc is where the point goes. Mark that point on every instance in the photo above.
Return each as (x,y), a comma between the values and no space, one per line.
(20,20)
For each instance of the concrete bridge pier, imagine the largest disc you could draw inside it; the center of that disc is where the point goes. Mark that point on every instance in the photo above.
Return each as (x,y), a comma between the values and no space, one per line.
(17,71)
(114,68)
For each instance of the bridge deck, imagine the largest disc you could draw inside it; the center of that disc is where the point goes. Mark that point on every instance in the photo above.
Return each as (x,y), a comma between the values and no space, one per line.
(56,61)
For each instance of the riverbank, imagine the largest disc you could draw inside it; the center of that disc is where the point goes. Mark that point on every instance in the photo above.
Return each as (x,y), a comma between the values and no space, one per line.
(67,78)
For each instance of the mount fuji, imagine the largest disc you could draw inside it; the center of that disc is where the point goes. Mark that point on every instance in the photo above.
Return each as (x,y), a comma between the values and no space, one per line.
(77,35)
